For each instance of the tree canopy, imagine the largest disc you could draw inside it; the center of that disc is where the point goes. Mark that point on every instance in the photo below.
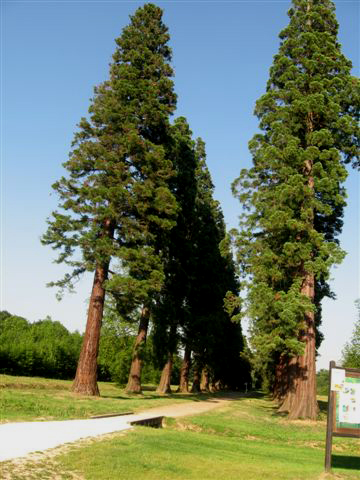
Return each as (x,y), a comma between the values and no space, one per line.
(293,197)
(115,201)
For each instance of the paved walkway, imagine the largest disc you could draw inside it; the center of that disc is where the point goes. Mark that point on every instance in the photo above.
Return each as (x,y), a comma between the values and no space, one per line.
(19,439)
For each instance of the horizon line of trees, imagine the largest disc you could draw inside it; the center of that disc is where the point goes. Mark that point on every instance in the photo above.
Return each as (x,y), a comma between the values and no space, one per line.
(47,349)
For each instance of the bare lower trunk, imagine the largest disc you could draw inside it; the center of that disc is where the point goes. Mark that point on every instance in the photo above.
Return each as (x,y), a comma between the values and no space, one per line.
(86,374)
(184,372)
(291,376)
(305,404)
(300,400)
(196,381)
(165,380)
(281,383)
(216,386)
(134,382)
(205,382)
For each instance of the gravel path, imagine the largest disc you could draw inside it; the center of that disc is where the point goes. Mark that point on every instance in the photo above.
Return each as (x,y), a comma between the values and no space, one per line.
(19,439)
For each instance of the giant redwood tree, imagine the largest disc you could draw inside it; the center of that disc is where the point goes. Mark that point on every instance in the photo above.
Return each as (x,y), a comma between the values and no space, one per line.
(294,198)
(172,310)
(115,200)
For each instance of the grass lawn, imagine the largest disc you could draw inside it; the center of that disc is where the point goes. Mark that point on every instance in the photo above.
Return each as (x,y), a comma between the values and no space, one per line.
(246,439)
(29,398)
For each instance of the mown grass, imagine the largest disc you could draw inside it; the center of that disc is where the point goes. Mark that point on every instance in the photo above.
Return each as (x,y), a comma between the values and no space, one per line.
(29,398)
(246,439)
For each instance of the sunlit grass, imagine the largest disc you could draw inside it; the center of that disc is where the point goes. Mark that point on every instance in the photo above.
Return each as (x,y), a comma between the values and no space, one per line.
(245,440)
(30,398)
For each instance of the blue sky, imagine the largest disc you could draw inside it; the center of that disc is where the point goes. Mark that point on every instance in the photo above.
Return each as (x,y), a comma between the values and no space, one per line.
(54,53)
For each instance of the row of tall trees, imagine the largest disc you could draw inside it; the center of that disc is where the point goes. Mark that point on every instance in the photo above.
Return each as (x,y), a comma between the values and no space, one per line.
(294,197)
(136,209)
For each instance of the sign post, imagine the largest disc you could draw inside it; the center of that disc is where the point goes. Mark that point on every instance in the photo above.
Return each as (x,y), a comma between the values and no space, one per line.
(343,419)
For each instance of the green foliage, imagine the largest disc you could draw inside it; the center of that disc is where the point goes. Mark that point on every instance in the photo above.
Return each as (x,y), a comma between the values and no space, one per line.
(115,202)
(213,332)
(293,196)
(172,309)
(44,348)
(117,339)
(322,381)
(200,293)
(351,351)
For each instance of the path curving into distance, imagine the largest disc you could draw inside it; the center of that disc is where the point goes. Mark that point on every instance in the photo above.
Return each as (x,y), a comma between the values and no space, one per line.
(20,438)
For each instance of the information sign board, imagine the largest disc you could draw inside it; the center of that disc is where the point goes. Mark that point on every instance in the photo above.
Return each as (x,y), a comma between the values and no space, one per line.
(343,406)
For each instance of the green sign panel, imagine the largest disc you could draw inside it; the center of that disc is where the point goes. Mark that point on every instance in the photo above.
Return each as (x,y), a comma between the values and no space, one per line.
(343,418)
(348,404)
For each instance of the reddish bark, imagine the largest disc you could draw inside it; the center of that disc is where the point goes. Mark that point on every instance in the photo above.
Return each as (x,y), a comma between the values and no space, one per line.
(184,372)
(196,381)
(165,380)
(304,404)
(134,382)
(86,374)
(289,381)
(281,383)
(205,382)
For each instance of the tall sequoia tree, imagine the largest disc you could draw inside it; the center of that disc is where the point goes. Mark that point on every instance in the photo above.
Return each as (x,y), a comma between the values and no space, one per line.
(294,199)
(172,311)
(115,201)
(199,276)
(212,300)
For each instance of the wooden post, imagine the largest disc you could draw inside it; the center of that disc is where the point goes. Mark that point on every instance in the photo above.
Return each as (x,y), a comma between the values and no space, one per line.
(329,425)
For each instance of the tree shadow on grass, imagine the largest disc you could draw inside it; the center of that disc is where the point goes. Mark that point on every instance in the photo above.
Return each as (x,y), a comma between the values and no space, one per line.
(323,407)
(345,462)
(193,397)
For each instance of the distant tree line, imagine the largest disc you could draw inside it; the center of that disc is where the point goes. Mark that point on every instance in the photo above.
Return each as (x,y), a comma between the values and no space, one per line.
(47,349)
(44,348)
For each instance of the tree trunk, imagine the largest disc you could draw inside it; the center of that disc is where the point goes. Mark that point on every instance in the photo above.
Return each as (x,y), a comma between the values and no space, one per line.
(291,375)
(134,382)
(86,374)
(205,382)
(196,381)
(165,380)
(304,404)
(281,383)
(184,372)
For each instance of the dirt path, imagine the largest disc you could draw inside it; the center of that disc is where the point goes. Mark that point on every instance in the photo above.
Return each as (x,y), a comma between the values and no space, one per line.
(19,439)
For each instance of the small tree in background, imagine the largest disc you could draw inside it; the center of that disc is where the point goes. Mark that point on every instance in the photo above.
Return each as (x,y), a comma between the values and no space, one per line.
(115,201)
(294,199)
(351,351)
